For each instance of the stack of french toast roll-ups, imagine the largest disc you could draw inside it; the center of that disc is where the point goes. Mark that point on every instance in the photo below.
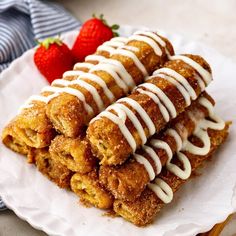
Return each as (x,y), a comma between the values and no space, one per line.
(125,129)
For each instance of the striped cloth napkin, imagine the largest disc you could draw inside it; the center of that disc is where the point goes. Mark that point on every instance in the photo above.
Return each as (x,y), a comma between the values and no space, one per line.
(23,21)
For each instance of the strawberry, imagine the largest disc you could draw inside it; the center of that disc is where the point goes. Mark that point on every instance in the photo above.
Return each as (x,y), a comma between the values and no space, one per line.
(93,33)
(53,58)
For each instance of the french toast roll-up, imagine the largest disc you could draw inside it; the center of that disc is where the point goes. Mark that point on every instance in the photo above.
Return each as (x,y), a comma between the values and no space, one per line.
(161,191)
(52,169)
(31,126)
(74,153)
(106,82)
(90,191)
(127,181)
(11,139)
(124,126)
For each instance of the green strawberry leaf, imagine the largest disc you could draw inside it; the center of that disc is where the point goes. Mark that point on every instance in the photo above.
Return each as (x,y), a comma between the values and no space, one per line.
(48,41)
(113,27)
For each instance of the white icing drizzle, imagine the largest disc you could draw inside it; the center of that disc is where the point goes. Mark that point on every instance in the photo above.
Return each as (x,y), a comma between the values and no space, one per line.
(131,48)
(92,90)
(167,109)
(149,41)
(71,73)
(162,96)
(200,82)
(101,83)
(51,89)
(30,99)
(120,69)
(108,46)
(201,133)
(219,124)
(207,77)
(119,120)
(179,78)
(142,113)
(135,59)
(95,57)
(120,39)
(162,190)
(165,105)
(154,97)
(122,112)
(115,68)
(162,145)
(111,45)
(114,43)
(204,137)
(125,110)
(140,159)
(154,157)
(153,36)
(179,86)
(201,130)
(111,70)
(173,133)
(105,48)
(71,91)
(61,82)
(156,37)
(112,66)
(83,65)
(182,174)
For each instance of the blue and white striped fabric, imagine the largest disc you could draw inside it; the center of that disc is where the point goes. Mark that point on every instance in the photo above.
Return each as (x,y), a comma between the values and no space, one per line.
(23,21)
(2,205)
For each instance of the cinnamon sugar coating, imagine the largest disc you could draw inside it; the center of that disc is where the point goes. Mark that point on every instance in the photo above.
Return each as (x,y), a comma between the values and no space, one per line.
(144,209)
(67,112)
(53,170)
(73,153)
(127,181)
(107,141)
(88,188)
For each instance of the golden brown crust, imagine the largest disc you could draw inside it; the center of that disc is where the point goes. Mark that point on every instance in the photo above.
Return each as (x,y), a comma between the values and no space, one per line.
(12,141)
(54,170)
(67,112)
(73,153)
(32,126)
(127,181)
(143,210)
(107,141)
(88,188)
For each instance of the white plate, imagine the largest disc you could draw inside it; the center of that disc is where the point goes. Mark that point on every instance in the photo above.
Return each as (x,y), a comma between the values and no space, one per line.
(201,203)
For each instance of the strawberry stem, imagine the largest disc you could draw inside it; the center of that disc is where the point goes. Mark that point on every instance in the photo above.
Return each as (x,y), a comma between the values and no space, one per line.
(113,27)
(48,41)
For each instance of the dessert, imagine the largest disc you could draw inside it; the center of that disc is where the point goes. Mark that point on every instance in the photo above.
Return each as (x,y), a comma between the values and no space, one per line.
(31,126)
(161,191)
(74,153)
(90,191)
(123,127)
(130,155)
(111,79)
(52,169)
(127,181)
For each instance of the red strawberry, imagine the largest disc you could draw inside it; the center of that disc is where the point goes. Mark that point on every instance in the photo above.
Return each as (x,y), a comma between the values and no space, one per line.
(93,33)
(53,58)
